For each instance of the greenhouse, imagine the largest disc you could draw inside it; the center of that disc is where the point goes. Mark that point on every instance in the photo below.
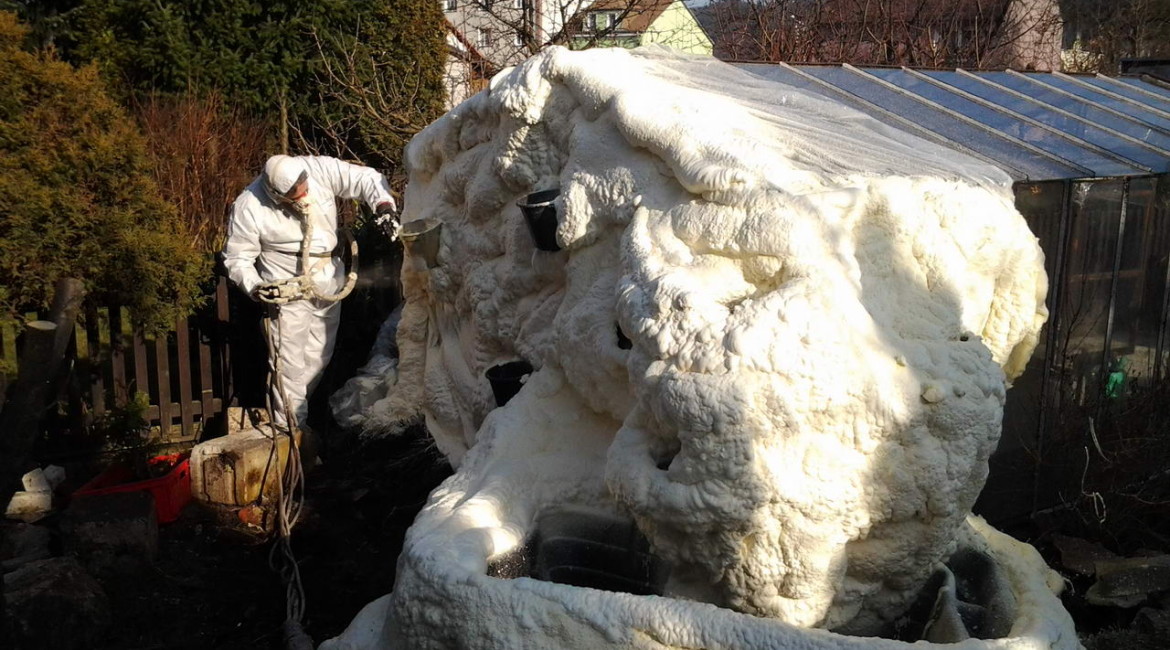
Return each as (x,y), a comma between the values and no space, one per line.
(1089,156)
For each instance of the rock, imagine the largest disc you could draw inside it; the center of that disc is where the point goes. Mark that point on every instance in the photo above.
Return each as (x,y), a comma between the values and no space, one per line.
(111,531)
(1155,622)
(54,604)
(1130,581)
(55,475)
(1080,555)
(29,506)
(22,543)
(35,481)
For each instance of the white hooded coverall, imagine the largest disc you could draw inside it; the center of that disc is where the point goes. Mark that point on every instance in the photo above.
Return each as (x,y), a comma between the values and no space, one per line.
(264,244)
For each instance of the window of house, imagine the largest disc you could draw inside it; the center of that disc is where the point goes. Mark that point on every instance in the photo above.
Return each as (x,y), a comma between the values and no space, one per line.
(450,5)
(599,21)
(484,37)
(517,39)
(517,4)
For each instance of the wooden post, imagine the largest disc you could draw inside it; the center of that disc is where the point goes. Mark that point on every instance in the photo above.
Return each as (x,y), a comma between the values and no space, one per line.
(40,359)
(23,412)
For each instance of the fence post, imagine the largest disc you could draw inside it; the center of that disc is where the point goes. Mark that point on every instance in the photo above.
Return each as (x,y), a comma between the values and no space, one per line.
(44,347)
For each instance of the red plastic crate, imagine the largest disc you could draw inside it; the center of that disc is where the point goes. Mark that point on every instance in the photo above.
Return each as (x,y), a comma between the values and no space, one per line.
(171,491)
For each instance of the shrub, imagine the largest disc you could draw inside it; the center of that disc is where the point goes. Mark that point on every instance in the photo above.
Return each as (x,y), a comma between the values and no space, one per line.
(78,197)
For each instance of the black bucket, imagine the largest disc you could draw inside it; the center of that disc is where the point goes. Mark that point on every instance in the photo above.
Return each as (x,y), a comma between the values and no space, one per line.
(540,213)
(506,379)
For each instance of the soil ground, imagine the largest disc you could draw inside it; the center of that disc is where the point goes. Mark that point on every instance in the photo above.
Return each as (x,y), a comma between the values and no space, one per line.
(211,585)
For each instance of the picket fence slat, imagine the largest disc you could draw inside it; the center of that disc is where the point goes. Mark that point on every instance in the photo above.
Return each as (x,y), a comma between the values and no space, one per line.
(141,365)
(183,341)
(185,375)
(94,353)
(118,356)
(162,361)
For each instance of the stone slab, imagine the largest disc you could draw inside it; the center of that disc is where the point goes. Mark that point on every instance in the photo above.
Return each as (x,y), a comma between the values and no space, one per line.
(106,531)
(54,604)
(22,543)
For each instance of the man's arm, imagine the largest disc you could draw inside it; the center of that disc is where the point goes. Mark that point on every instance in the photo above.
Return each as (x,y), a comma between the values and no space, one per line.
(350,181)
(242,248)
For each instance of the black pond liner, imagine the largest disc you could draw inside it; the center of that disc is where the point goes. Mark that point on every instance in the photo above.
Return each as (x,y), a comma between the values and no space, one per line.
(970,592)
(506,379)
(585,549)
(540,213)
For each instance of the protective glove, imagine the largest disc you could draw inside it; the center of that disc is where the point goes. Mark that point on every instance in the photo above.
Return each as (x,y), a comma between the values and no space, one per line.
(265,293)
(279,292)
(386,218)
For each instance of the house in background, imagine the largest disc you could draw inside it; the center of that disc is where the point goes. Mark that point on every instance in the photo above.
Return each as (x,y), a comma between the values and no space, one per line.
(626,23)
(488,35)
(467,70)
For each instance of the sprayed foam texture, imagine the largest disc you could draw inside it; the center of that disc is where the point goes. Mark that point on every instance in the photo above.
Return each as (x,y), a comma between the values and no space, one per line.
(777,335)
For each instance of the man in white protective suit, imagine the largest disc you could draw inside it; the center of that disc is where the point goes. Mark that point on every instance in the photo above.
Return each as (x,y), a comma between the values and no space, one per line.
(294,195)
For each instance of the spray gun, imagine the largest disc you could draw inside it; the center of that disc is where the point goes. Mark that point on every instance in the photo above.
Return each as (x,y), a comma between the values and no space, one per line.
(280,292)
(388,221)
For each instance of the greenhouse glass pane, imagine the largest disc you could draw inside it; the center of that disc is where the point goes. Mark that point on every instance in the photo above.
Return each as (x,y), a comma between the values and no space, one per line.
(1141,283)
(1008,125)
(1083,317)
(1136,83)
(1105,100)
(948,128)
(1094,115)
(1035,89)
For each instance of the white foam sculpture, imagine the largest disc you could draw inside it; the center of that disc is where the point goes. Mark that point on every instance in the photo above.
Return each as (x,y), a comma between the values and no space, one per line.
(822,312)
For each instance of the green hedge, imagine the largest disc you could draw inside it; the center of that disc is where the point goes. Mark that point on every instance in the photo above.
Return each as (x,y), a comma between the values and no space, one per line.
(77,197)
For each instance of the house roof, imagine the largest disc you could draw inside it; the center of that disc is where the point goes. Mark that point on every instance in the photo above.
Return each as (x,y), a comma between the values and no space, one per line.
(637,15)
(1036,126)
(459,46)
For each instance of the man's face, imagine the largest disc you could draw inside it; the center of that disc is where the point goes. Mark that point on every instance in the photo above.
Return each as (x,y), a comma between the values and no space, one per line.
(299,191)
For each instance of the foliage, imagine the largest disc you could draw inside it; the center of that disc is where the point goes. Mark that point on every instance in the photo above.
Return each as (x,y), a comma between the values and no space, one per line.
(78,197)
(1106,31)
(271,59)
(125,425)
(379,84)
(202,153)
(933,33)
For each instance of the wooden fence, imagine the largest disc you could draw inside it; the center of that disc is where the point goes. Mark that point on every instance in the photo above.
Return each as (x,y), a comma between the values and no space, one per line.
(185,374)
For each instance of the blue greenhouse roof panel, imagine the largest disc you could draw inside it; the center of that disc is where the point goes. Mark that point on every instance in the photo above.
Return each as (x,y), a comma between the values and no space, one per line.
(1035,126)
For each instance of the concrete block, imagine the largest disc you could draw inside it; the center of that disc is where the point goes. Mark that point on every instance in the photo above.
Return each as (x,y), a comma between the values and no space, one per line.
(109,531)
(233,469)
